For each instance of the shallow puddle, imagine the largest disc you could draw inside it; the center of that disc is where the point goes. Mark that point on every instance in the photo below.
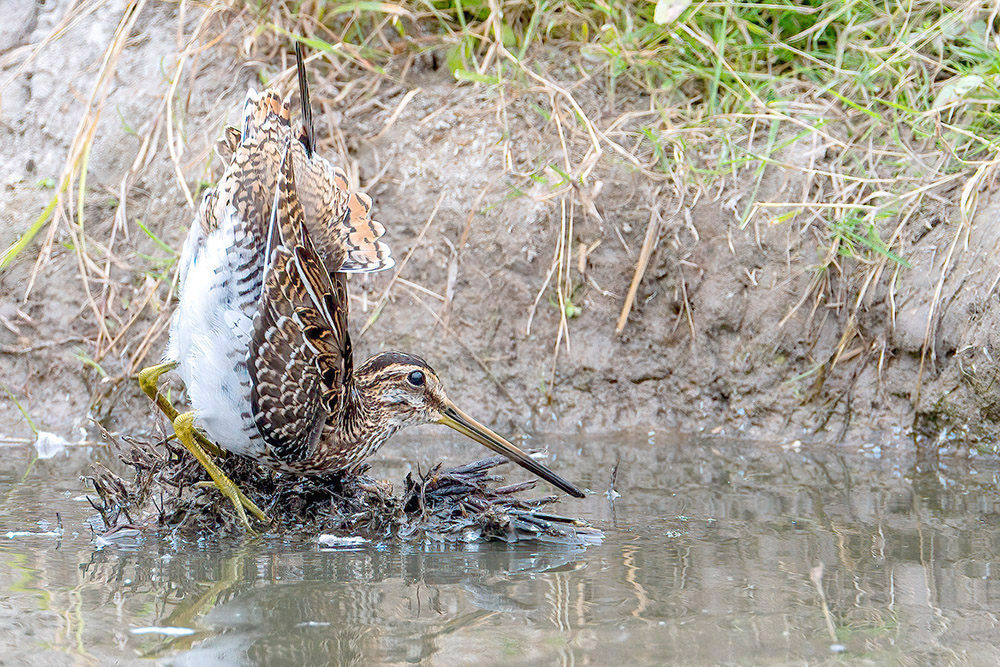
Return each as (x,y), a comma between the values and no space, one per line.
(717,551)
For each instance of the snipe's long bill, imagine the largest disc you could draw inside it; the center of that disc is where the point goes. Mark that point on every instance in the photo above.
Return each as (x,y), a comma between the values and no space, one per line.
(466,425)
(260,335)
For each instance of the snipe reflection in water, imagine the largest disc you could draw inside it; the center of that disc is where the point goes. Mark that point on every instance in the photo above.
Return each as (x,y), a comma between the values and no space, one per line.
(262,606)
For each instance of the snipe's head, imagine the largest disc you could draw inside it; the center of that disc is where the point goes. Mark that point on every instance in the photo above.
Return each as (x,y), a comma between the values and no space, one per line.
(405,391)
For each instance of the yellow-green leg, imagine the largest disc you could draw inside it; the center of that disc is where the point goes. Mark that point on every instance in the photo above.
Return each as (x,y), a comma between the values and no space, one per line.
(149,381)
(196,442)
(186,433)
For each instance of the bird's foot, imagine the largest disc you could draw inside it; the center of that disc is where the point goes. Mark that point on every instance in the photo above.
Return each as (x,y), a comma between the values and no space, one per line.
(186,433)
(248,504)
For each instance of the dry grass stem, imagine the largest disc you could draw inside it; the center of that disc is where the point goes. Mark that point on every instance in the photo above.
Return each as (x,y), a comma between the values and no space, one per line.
(648,245)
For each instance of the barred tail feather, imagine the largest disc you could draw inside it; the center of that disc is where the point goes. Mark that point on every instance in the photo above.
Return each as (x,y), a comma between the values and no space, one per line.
(260,109)
(360,237)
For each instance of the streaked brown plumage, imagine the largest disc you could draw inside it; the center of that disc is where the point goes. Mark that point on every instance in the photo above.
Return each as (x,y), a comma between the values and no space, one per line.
(260,335)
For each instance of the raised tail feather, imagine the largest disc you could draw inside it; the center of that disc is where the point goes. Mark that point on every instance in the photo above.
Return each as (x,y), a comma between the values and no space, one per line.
(342,222)
(261,110)
(359,235)
(339,220)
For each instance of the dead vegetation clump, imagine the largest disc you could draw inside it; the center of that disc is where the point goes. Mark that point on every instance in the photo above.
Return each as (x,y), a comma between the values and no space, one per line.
(165,491)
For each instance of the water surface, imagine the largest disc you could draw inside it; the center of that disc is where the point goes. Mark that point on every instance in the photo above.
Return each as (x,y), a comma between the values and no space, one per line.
(717,552)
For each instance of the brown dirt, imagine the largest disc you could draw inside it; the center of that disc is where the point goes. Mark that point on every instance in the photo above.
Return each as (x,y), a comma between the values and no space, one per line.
(711,344)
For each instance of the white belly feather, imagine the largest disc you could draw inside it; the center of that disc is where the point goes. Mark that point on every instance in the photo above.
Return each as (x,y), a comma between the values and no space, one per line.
(209,338)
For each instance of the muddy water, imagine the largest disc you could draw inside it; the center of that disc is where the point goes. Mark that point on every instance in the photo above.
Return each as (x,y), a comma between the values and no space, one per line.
(717,552)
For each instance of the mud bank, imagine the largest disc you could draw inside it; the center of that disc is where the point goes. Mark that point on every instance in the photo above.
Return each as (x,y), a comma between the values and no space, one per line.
(733,330)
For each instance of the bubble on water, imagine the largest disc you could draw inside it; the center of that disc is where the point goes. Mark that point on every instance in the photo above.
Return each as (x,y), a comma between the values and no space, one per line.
(27,533)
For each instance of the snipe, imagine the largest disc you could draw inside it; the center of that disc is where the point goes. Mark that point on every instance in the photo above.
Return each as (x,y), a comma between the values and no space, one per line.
(260,334)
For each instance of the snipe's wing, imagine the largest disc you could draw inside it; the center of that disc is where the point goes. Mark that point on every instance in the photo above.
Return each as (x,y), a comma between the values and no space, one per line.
(339,221)
(300,353)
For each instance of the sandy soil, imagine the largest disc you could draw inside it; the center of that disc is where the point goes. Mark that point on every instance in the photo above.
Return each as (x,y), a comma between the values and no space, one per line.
(720,338)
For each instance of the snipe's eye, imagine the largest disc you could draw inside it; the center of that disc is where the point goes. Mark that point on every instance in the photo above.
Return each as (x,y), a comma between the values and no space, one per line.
(416,378)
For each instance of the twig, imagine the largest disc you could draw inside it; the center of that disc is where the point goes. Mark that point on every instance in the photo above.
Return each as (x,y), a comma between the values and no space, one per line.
(648,244)
(465,347)
(10,349)
(394,116)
